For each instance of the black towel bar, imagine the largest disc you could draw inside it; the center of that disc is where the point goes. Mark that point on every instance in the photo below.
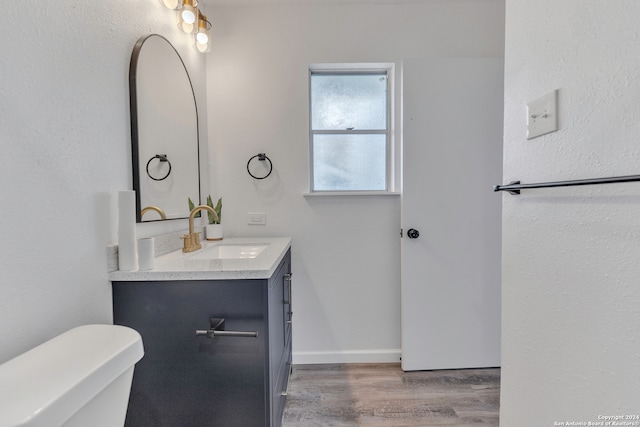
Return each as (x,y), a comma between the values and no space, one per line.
(515,186)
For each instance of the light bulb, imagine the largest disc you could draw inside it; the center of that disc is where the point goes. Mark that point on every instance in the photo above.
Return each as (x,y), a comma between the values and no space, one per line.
(188,16)
(203,47)
(172,4)
(203,38)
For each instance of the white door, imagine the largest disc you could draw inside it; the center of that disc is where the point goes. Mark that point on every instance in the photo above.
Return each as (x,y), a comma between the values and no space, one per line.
(452,156)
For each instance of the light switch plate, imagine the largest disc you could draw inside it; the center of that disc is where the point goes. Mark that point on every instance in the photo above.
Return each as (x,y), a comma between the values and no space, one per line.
(542,115)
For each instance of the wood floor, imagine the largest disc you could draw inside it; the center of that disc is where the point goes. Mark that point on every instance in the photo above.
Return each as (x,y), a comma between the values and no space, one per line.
(384,395)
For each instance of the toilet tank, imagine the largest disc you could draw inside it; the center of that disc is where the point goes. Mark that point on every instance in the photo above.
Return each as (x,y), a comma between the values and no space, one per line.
(79,378)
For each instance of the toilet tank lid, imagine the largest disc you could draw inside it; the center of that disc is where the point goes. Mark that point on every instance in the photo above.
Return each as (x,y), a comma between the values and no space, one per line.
(49,383)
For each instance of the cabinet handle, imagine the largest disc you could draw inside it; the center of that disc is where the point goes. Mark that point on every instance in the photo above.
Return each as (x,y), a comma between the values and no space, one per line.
(210,333)
(287,277)
(286,388)
(217,330)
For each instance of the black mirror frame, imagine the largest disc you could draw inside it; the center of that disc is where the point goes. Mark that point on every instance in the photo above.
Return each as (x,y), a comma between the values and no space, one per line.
(133,111)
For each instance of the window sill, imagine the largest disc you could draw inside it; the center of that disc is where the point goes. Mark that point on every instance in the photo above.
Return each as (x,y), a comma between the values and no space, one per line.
(350,193)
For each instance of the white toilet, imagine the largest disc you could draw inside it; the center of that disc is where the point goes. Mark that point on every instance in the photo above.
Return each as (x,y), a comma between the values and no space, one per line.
(81,378)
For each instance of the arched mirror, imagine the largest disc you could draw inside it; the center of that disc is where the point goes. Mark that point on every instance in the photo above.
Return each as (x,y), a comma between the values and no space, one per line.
(164,131)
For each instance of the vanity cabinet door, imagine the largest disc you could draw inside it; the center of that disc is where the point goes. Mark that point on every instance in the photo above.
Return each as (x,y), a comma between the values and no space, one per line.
(184,380)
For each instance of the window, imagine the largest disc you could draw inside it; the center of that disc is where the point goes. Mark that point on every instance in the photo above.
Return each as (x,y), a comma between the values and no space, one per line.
(349,129)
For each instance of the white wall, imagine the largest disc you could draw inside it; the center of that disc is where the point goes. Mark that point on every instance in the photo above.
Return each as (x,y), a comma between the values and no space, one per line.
(571,294)
(346,250)
(65,140)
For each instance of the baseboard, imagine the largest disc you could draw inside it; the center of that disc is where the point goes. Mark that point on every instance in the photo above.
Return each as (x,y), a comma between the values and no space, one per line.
(347,356)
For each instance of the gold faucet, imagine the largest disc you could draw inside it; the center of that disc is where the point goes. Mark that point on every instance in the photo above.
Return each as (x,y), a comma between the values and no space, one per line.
(153,208)
(192,240)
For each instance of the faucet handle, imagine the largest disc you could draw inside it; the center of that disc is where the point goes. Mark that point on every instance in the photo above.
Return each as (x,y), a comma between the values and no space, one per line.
(191,242)
(188,243)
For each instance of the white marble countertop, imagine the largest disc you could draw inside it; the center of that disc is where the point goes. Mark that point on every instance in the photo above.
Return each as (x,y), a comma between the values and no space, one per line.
(177,265)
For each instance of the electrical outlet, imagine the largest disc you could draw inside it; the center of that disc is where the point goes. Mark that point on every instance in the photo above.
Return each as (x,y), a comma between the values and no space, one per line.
(257,218)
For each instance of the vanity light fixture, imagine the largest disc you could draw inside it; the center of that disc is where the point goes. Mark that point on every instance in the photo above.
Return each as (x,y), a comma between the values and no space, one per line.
(187,16)
(203,35)
(191,20)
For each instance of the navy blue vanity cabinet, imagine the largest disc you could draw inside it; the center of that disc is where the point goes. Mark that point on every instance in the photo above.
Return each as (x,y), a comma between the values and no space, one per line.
(219,381)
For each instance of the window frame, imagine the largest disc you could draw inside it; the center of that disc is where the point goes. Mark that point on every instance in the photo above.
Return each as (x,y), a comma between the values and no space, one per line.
(356,69)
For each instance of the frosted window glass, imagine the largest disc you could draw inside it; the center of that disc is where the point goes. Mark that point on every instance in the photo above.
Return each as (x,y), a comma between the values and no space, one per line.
(348,162)
(343,101)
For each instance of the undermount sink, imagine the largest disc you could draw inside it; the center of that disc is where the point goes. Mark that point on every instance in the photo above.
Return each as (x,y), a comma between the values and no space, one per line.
(230,251)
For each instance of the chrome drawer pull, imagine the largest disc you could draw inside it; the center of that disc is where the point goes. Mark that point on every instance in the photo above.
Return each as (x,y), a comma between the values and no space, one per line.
(210,333)
(287,277)
(217,330)
(285,393)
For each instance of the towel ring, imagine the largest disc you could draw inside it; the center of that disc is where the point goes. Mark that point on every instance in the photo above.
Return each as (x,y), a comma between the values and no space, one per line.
(162,158)
(261,157)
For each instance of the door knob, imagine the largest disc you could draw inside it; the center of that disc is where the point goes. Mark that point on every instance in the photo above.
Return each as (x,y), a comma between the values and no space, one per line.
(413,233)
